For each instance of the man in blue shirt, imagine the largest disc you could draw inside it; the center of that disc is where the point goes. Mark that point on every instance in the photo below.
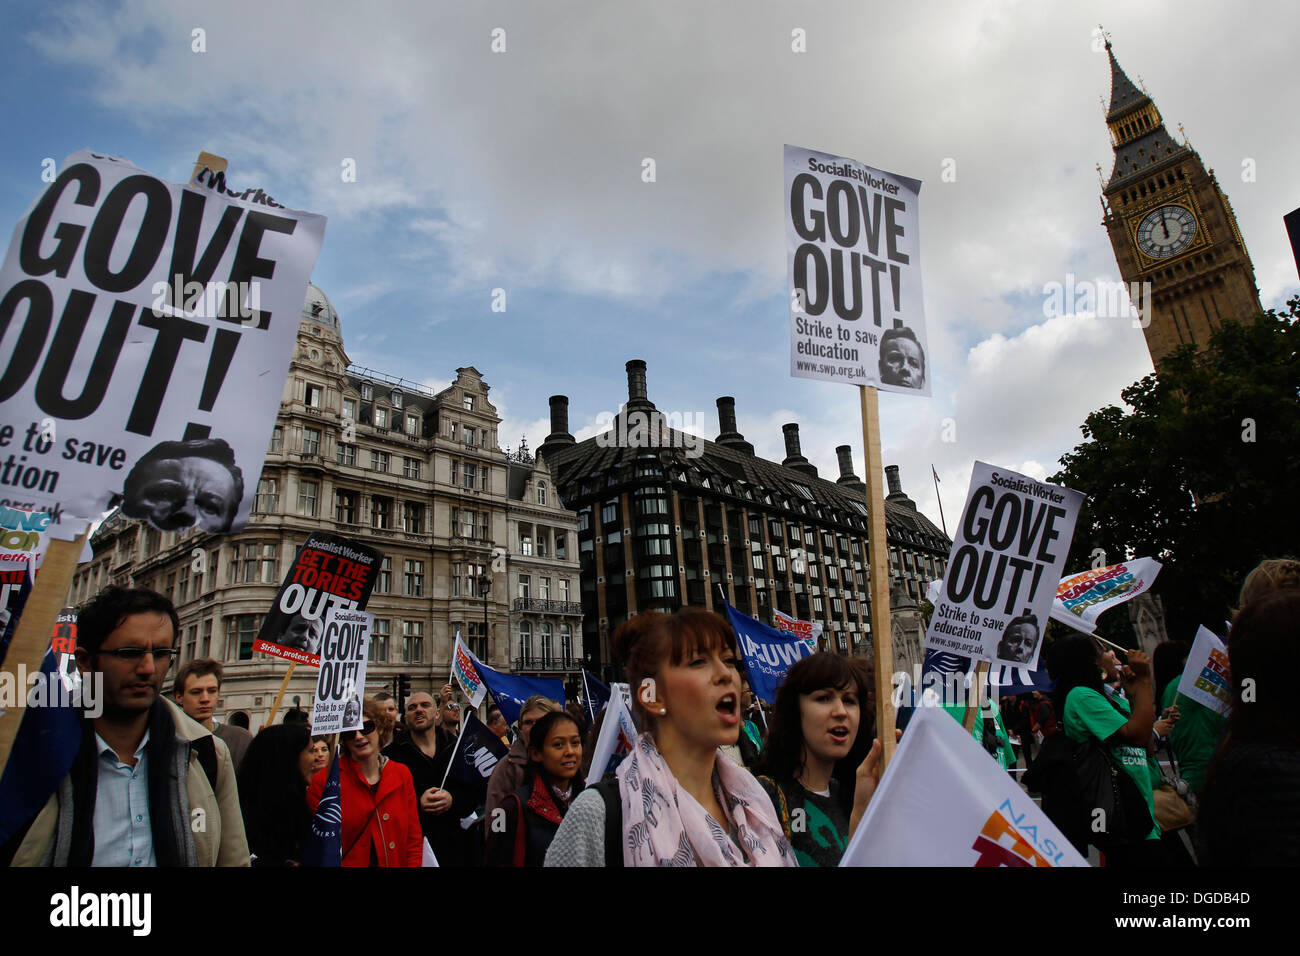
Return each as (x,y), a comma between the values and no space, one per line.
(149,787)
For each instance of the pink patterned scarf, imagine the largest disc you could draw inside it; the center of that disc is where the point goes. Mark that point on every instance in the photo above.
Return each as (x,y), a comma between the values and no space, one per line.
(663,825)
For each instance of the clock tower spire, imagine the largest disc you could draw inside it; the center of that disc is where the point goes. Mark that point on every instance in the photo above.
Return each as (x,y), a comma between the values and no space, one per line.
(1171,226)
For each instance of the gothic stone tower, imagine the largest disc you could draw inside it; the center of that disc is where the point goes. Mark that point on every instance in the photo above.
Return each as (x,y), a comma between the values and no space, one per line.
(1171,225)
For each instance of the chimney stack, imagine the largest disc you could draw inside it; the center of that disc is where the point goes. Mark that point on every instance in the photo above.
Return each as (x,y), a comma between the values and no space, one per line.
(896,488)
(793,456)
(847,477)
(559,425)
(728,435)
(636,385)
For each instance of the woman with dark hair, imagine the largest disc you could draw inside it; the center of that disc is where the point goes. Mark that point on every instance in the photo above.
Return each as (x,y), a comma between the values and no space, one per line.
(675,800)
(320,753)
(1248,812)
(381,820)
(814,726)
(534,812)
(1122,725)
(273,794)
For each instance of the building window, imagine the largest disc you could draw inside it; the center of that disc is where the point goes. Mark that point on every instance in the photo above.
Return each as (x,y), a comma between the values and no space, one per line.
(469,436)
(381,417)
(311,441)
(547,651)
(267,499)
(308,492)
(381,512)
(277,438)
(412,517)
(455,579)
(379,461)
(384,580)
(183,586)
(414,578)
(314,395)
(609,513)
(467,403)
(241,631)
(412,642)
(252,563)
(367,392)
(525,640)
(544,588)
(349,409)
(564,589)
(396,398)
(525,586)
(566,644)
(378,653)
(345,507)
(347,454)
(541,492)
(541,543)
(412,426)
(471,475)
(525,544)
(451,430)
(561,545)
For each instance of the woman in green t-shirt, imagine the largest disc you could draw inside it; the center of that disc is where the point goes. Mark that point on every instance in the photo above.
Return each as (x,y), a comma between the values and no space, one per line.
(814,725)
(1123,726)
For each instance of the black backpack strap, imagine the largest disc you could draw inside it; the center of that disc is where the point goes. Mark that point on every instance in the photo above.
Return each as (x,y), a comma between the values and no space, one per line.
(206,750)
(608,790)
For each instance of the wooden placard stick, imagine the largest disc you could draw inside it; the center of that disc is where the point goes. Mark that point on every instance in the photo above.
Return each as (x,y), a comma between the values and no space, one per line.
(280,696)
(977,691)
(32,636)
(878,573)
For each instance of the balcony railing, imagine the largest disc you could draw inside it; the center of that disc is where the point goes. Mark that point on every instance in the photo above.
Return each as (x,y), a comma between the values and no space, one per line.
(545,664)
(547,607)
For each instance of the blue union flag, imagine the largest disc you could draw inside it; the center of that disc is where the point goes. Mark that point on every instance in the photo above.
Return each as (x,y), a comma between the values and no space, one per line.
(324,845)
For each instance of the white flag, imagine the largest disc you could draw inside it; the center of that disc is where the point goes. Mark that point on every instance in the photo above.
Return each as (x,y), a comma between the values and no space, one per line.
(943,801)
(1206,677)
(617,732)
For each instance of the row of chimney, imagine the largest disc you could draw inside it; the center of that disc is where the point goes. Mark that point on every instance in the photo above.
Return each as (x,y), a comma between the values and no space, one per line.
(728,436)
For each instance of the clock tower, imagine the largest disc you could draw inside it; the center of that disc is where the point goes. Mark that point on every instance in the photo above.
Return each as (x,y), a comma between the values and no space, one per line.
(1172,226)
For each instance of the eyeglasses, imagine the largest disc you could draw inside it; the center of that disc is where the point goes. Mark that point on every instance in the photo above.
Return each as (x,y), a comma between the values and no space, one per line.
(133,655)
(366,730)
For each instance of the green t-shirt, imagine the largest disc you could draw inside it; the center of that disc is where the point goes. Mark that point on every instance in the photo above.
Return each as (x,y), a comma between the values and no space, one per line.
(1089,714)
(1006,755)
(1194,736)
(817,826)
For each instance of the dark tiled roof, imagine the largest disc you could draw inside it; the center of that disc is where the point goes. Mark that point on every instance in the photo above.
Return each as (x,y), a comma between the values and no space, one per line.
(1144,154)
(766,485)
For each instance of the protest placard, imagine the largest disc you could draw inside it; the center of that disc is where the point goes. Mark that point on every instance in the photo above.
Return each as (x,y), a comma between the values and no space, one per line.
(330,571)
(1207,678)
(464,667)
(853,255)
(341,683)
(617,732)
(944,801)
(806,631)
(1006,561)
(146,328)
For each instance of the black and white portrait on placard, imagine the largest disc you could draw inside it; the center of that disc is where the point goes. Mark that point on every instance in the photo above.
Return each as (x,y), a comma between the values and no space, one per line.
(902,359)
(1019,639)
(303,633)
(178,484)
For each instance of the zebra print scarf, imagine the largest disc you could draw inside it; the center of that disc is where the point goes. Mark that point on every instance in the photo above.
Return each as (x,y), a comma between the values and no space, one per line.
(663,825)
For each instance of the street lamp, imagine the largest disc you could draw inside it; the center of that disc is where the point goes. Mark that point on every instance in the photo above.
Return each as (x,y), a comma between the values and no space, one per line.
(484,589)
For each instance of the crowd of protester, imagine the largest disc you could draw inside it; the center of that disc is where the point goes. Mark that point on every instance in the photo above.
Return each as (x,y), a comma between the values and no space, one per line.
(713,779)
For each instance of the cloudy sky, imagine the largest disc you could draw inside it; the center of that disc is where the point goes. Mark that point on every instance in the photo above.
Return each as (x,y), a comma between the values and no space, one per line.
(521,169)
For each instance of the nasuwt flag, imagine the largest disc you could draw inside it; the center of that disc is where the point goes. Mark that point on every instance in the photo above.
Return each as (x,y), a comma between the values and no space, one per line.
(50,733)
(1007,558)
(807,631)
(324,844)
(617,734)
(595,695)
(943,801)
(1084,596)
(768,653)
(153,327)
(853,254)
(328,571)
(464,666)
(1207,678)
(475,757)
(510,690)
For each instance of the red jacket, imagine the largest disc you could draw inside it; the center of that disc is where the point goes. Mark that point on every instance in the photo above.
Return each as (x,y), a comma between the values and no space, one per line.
(387,820)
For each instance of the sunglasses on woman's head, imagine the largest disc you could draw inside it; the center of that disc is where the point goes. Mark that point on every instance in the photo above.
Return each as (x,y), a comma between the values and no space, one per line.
(366,730)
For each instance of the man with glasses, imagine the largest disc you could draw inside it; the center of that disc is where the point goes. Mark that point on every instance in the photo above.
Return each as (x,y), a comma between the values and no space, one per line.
(149,787)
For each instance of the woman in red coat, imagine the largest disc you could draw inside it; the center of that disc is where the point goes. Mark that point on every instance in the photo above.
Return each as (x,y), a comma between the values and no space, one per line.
(381,820)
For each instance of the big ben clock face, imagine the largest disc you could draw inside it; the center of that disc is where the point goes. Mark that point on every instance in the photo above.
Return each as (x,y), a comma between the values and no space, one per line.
(1166,231)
